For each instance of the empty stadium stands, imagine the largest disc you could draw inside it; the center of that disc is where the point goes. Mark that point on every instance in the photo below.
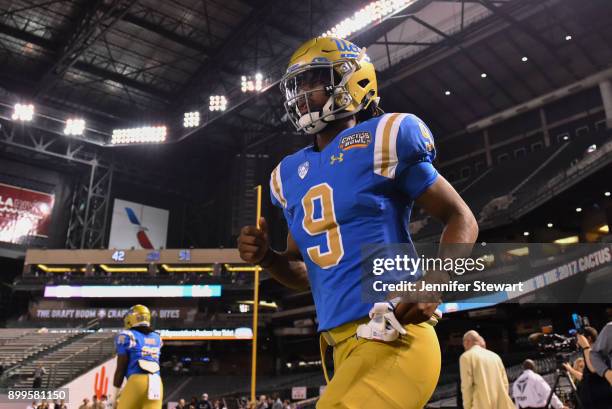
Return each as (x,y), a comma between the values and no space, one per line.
(65,356)
(18,345)
(513,188)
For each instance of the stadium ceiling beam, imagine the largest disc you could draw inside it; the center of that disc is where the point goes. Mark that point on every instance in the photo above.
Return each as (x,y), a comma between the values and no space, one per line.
(61,150)
(168,34)
(82,66)
(582,48)
(531,32)
(404,43)
(32,7)
(515,75)
(532,58)
(193,90)
(122,79)
(195,86)
(471,35)
(472,1)
(93,23)
(468,55)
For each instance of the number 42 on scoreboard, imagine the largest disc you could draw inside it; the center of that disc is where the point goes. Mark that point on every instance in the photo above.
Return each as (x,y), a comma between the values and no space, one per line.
(118,256)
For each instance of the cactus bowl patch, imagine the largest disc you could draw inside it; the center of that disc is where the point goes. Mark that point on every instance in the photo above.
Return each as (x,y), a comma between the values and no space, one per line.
(356,140)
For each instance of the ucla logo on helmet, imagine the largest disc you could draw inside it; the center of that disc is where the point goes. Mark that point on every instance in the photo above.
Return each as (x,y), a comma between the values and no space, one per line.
(346,46)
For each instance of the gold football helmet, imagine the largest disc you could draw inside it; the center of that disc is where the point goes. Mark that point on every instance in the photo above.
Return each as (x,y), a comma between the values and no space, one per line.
(137,316)
(338,67)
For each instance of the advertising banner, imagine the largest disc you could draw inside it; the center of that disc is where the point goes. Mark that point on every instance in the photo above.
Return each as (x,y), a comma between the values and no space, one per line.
(135,225)
(23,213)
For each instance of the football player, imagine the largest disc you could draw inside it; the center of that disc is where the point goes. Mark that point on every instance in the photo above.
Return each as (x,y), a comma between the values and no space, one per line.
(138,348)
(355,185)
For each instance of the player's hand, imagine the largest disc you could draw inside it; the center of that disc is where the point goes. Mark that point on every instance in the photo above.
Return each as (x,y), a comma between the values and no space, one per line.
(253,243)
(582,341)
(414,313)
(567,367)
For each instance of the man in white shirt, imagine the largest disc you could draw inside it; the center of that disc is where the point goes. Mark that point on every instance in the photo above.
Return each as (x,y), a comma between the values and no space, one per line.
(531,391)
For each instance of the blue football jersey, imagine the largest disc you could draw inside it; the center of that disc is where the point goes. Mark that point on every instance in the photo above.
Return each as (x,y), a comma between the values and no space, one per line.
(137,345)
(358,190)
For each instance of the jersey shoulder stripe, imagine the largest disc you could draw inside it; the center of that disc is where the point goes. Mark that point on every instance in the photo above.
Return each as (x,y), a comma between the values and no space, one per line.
(385,144)
(276,186)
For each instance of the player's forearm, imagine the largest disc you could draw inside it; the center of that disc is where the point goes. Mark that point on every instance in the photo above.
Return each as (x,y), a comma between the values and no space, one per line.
(118,379)
(460,227)
(287,271)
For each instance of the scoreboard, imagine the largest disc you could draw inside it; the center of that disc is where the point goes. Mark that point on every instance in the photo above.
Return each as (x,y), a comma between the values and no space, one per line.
(185,257)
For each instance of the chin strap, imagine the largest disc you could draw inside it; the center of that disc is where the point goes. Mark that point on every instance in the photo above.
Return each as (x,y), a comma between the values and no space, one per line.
(383,325)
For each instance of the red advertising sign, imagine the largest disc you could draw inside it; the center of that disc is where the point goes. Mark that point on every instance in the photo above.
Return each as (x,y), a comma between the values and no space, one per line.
(23,213)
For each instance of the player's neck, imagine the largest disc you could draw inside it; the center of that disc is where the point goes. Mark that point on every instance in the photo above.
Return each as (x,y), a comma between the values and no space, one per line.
(324,137)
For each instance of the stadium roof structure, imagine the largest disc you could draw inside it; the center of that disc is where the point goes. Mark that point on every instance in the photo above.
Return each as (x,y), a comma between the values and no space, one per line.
(121,61)
(124,63)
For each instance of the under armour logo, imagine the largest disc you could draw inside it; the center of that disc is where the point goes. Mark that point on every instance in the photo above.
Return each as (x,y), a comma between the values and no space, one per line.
(335,159)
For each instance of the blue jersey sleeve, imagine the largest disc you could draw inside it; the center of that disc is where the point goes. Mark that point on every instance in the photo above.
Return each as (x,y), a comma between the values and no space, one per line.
(276,188)
(277,193)
(124,342)
(415,154)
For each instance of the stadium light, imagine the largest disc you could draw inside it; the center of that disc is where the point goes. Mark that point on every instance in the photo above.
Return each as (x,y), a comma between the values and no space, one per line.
(447,92)
(549,225)
(526,233)
(217,103)
(74,127)
(567,240)
(251,83)
(23,112)
(191,119)
(147,134)
(483,75)
(592,148)
(568,37)
(578,209)
(607,194)
(524,59)
(566,138)
(372,13)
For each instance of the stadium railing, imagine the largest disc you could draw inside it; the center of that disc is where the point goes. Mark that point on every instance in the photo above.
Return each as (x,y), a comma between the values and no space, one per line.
(68,361)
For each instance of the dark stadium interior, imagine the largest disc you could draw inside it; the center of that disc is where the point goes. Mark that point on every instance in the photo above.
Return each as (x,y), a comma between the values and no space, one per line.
(511,89)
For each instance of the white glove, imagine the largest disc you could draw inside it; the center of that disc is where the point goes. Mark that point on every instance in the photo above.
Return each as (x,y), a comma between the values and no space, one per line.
(383,325)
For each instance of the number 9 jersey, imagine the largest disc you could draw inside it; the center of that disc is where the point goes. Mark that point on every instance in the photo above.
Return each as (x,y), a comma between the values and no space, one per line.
(358,190)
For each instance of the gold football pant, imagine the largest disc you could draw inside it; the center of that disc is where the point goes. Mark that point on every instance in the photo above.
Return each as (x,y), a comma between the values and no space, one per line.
(134,394)
(371,374)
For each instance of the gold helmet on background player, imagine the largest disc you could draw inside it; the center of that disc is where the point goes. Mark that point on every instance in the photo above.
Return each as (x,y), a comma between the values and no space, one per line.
(339,67)
(137,316)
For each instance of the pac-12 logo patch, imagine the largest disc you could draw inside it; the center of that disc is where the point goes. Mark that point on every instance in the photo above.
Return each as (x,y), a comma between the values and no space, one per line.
(303,169)
(356,140)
